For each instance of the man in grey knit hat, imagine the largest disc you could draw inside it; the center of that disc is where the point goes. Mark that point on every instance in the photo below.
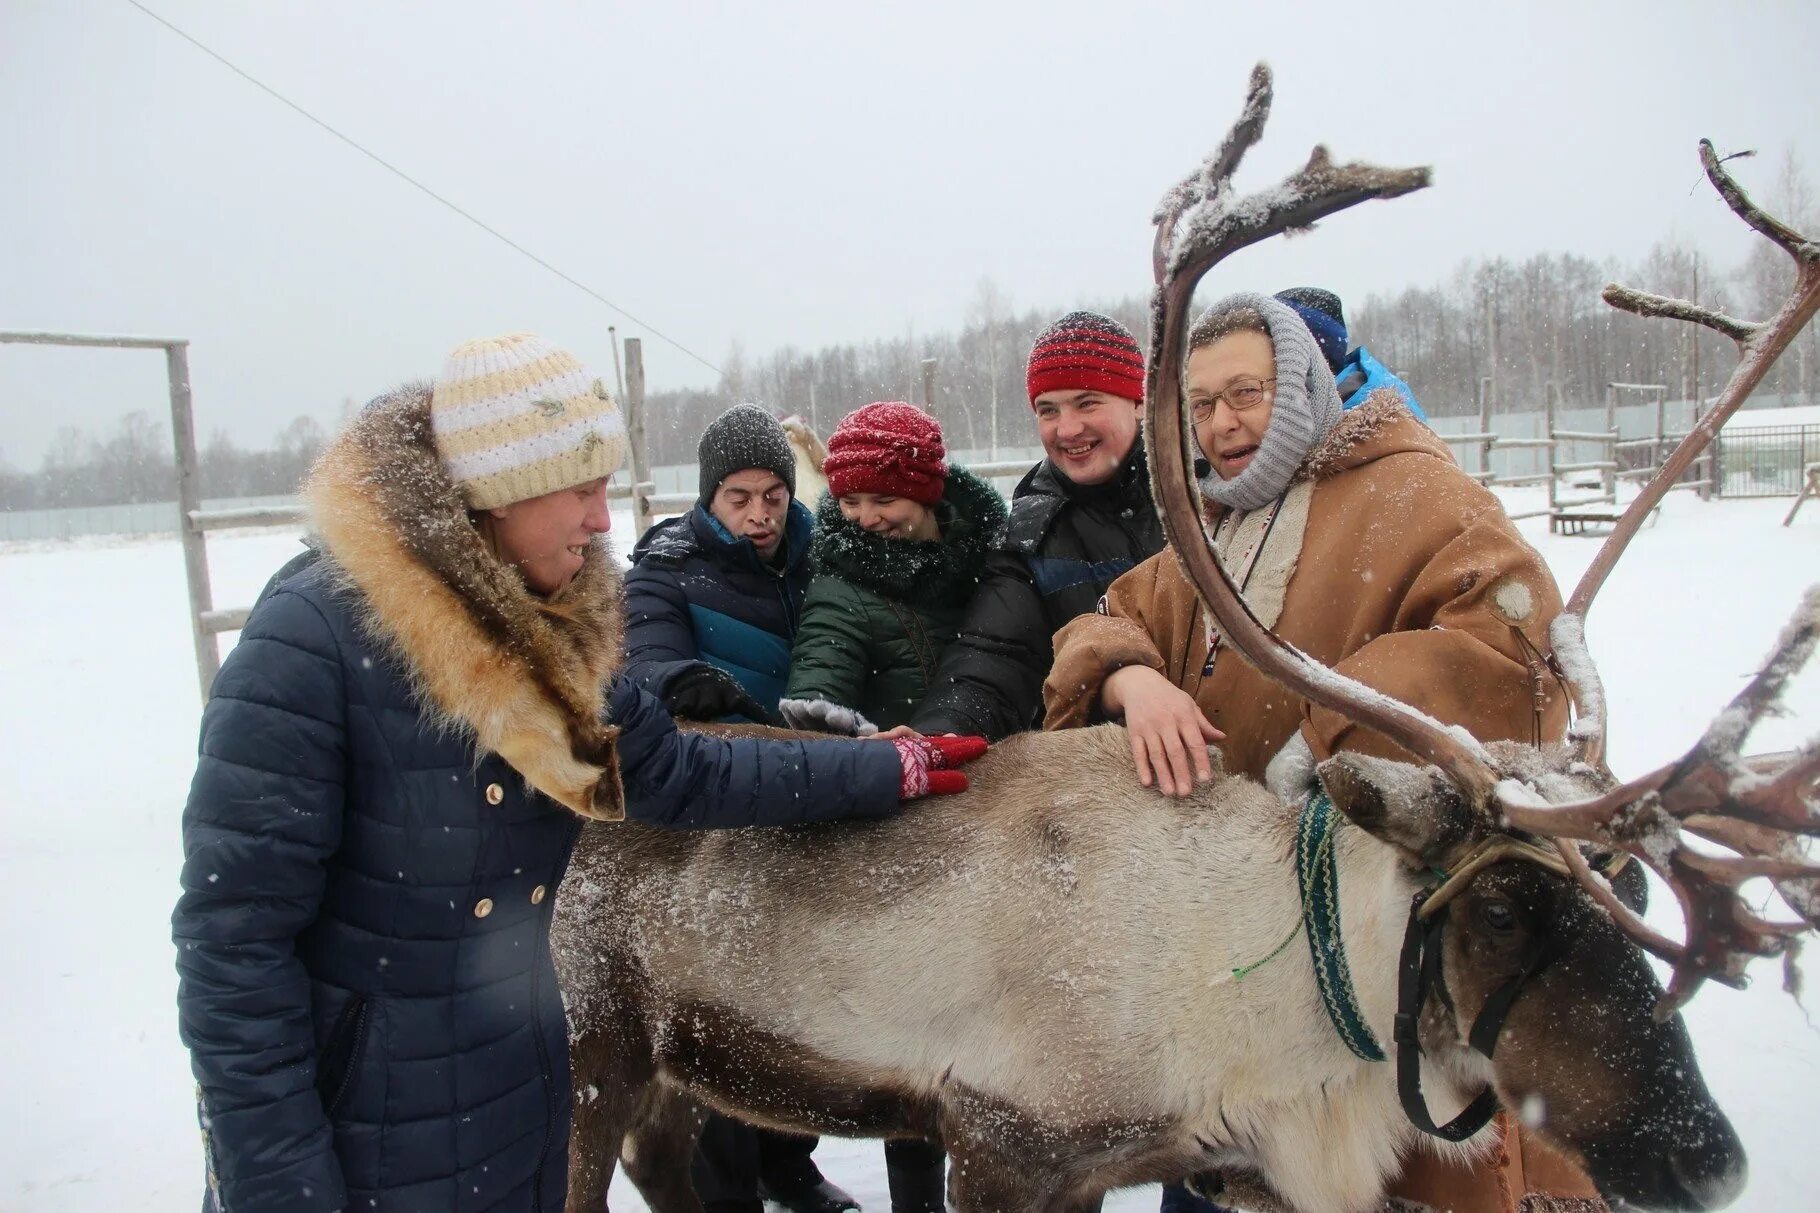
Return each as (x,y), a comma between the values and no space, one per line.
(713,596)
(744,439)
(712,603)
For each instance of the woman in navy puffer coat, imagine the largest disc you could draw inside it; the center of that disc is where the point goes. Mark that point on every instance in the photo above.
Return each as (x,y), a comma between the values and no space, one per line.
(394,765)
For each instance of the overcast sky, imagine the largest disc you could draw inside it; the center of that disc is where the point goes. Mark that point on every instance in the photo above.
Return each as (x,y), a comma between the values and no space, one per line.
(780,174)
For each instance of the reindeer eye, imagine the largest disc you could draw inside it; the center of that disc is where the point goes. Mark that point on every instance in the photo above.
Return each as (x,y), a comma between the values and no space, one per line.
(1498,916)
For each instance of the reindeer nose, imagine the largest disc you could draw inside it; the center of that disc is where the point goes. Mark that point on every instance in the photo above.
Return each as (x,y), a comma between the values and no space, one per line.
(1711,1173)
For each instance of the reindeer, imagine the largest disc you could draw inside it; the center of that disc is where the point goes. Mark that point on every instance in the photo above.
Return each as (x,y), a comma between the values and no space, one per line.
(1070,981)
(810,453)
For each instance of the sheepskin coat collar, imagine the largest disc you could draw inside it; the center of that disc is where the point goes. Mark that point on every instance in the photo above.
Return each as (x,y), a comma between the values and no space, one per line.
(525,677)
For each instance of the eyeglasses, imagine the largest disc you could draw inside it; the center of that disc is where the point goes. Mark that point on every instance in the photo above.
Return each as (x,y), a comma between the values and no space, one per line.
(1240,395)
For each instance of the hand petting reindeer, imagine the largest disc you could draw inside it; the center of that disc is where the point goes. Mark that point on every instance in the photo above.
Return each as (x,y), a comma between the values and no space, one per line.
(1075,984)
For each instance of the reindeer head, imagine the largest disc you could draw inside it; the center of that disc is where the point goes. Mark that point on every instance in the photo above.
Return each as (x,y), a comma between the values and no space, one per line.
(1595,1038)
(1531,966)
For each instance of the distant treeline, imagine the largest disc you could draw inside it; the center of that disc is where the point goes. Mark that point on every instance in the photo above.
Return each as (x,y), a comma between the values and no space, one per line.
(1523,325)
(134,463)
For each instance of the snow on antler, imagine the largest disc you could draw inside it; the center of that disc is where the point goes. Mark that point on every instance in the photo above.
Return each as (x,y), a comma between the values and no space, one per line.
(1759,809)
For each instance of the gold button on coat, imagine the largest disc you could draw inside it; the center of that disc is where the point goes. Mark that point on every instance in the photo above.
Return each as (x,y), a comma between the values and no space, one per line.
(495,793)
(483,907)
(537,895)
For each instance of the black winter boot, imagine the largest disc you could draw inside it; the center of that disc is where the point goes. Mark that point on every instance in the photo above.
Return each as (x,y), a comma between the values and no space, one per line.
(915,1174)
(815,1196)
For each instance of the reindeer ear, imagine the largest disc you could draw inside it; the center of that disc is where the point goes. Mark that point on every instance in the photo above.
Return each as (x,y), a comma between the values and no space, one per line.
(1412,808)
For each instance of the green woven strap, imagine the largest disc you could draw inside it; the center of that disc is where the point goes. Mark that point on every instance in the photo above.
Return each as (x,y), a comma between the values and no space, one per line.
(1318,875)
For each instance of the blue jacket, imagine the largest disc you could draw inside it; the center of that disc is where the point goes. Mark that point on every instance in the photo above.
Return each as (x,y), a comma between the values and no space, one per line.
(696,594)
(1361,375)
(365,984)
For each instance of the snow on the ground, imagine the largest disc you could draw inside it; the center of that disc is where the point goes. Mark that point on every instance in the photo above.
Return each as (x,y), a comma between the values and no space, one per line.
(99,719)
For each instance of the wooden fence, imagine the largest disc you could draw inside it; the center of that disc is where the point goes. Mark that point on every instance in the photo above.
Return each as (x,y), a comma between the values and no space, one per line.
(1613,458)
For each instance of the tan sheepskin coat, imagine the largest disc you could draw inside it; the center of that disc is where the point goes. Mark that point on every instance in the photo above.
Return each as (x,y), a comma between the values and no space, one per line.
(1408,577)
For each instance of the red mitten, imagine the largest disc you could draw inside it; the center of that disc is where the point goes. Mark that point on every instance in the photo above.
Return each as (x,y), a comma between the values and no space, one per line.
(954,750)
(926,760)
(946,783)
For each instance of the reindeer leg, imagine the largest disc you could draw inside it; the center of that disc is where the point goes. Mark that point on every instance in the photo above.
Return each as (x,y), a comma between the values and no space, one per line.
(660,1148)
(610,1076)
(986,1177)
(981,1183)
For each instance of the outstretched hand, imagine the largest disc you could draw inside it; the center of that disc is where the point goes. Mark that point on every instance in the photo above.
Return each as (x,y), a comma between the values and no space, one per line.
(1169,733)
(704,692)
(928,764)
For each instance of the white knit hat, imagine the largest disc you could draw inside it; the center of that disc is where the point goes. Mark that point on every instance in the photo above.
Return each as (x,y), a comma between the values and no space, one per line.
(514,418)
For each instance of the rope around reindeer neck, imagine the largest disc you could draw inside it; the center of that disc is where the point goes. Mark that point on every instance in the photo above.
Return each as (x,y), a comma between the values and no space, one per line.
(1319,857)
(1244,971)
(1319,875)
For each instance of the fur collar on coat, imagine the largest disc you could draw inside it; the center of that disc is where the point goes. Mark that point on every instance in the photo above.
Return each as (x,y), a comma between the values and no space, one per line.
(484,655)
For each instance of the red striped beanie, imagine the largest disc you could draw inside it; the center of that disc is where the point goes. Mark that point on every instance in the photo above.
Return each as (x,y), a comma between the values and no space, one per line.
(1085,351)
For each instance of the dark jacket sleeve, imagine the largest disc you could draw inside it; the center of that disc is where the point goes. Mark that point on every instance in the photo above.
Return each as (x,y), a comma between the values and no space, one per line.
(265,811)
(694,781)
(990,680)
(660,640)
(832,655)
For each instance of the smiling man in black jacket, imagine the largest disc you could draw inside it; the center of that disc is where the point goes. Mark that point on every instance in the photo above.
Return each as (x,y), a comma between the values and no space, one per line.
(1079,519)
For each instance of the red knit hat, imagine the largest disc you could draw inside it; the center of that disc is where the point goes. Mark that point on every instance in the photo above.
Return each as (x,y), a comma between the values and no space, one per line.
(891,448)
(1085,351)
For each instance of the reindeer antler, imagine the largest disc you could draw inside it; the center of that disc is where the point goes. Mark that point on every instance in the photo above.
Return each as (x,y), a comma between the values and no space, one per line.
(1759,345)
(1756,809)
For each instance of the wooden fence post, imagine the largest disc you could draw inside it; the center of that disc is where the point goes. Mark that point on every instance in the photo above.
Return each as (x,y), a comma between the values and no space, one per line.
(1554,454)
(1658,451)
(1485,444)
(1608,477)
(635,435)
(1715,464)
(189,503)
(619,374)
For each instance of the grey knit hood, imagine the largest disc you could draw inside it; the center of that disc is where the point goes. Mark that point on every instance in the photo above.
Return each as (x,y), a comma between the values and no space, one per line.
(1306,407)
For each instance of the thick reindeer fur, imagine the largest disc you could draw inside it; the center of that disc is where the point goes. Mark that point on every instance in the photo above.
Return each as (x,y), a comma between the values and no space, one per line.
(1039,971)
(807,448)
(528,683)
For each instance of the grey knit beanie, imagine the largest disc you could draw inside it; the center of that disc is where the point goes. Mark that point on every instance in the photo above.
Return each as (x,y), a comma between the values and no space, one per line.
(1306,407)
(745,436)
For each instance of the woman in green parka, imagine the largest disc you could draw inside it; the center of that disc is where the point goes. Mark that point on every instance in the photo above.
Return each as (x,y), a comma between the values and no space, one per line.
(900,540)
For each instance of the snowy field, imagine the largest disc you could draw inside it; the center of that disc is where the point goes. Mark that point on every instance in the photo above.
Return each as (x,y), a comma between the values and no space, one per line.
(99,714)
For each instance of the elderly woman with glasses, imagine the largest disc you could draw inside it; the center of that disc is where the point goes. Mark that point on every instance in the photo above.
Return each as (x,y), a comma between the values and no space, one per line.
(1356,538)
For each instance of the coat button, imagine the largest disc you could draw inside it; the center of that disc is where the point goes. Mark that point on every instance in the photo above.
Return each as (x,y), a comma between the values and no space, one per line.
(537,895)
(495,793)
(483,907)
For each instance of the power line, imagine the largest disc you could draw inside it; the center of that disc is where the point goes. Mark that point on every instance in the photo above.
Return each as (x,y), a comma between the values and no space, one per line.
(382,162)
